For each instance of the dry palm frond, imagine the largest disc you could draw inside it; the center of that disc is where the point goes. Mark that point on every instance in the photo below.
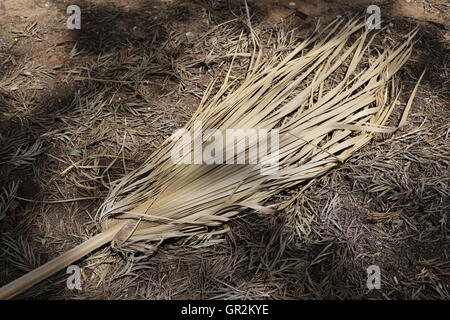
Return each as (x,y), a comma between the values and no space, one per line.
(318,129)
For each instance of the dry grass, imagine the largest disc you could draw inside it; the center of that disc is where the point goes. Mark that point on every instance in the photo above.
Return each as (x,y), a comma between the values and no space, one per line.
(388,205)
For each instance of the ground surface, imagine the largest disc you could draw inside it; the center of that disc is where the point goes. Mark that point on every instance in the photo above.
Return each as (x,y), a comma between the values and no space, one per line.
(80,108)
